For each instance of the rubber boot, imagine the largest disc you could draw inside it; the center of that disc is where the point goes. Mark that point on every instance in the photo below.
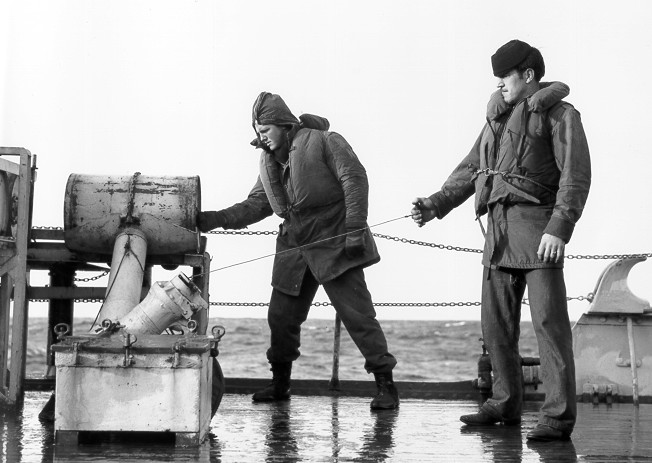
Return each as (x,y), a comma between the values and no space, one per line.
(279,388)
(387,397)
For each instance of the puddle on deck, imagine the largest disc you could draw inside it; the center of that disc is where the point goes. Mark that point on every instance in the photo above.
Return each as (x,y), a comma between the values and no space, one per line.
(339,429)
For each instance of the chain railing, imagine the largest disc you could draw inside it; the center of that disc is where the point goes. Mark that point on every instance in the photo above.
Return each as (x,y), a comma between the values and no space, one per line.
(96,277)
(588,297)
(336,347)
(376,304)
(445,247)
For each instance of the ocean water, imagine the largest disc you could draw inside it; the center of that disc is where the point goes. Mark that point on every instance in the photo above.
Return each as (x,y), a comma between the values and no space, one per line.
(425,350)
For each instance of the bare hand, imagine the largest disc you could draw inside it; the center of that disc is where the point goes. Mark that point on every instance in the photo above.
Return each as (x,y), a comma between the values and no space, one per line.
(423,211)
(551,248)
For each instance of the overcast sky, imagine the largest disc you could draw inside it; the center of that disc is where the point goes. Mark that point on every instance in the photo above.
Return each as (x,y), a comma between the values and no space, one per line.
(166,88)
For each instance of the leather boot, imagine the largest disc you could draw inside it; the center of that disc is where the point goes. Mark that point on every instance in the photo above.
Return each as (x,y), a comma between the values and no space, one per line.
(279,388)
(482,418)
(387,397)
(545,433)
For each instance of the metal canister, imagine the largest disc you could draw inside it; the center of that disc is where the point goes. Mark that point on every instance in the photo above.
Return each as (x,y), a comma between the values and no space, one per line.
(98,207)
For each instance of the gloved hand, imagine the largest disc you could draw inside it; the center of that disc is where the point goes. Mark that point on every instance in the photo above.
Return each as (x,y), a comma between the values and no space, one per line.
(209,220)
(355,240)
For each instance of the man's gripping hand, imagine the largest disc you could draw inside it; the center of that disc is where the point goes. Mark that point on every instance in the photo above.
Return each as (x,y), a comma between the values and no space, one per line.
(424,210)
(209,220)
(355,240)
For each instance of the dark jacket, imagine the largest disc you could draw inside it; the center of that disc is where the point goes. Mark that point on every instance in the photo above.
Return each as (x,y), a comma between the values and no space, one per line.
(322,190)
(530,170)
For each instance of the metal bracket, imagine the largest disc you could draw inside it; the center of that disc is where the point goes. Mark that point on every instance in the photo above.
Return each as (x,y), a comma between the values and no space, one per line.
(622,362)
(218,331)
(178,347)
(61,330)
(596,393)
(128,341)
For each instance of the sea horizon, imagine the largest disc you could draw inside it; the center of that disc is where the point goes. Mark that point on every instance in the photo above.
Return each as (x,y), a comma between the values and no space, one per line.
(426,350)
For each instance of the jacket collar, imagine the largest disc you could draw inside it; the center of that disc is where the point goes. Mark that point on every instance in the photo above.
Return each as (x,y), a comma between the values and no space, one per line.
(549,94)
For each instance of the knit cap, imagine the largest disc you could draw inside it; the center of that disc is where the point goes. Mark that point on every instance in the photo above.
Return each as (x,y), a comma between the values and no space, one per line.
(509,56)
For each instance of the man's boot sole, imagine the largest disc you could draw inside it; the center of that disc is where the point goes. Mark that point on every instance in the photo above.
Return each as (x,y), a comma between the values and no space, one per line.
(394,407)
(270,399)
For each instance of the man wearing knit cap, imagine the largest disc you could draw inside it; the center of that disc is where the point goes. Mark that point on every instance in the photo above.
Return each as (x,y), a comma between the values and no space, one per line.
(530,172)
(313,180)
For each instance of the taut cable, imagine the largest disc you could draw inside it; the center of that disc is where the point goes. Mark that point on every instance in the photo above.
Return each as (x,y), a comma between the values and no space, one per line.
(300,247)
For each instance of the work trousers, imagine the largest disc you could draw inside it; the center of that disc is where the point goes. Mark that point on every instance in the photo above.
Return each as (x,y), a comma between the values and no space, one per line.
(352,302)
(502,293)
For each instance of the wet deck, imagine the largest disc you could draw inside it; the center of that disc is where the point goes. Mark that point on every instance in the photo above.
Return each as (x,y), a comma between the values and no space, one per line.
(325,429)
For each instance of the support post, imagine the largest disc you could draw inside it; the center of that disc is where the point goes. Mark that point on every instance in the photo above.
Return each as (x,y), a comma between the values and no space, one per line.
(334,383)
(59,310)
(20,275)
(6,285)
(632,358)
(201,277)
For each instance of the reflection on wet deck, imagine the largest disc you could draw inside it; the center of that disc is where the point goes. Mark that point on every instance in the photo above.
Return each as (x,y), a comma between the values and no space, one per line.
(324,429)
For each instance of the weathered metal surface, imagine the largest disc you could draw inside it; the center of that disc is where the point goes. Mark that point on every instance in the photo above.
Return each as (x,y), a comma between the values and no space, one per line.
(612,293)
(15,276)
(8,186)
(344,429)
(42,254)
(149,386)
(601,345)
(127,273)
(164,208)
(310,428)
(166,303)
(612,342)
(145,344)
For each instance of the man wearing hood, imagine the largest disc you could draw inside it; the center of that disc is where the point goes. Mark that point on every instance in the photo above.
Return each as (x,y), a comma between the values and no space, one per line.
(530,172)
(313,180)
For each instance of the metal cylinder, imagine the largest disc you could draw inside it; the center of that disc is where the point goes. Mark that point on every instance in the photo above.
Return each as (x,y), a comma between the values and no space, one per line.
(97,208)
(165,304)
(126,278)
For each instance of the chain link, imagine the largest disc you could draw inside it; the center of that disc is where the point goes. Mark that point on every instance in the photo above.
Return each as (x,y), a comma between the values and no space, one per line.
(608,256)
(589,297)
(241,304)
(81,301)
(242,232)
(446,247)
(97,277)
(376,304)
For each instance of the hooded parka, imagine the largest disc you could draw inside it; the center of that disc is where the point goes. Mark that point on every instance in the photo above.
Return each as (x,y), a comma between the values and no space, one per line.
(321,192)
(530,171)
